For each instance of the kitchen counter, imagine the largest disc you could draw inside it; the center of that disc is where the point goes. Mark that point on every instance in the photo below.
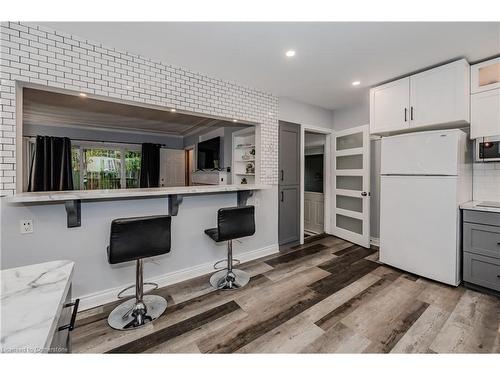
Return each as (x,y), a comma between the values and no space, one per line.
(32,299)
(474,206)
(61,196)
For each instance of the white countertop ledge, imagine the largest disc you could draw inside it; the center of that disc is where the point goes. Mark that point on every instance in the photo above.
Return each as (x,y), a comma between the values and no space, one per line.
(32,299)
(473,205)
(61,196)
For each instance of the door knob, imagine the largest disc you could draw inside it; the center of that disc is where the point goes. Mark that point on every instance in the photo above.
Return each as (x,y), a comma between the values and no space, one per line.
(364,194)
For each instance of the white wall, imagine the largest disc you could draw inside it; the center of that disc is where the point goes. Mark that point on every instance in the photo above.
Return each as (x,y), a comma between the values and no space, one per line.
(305,114)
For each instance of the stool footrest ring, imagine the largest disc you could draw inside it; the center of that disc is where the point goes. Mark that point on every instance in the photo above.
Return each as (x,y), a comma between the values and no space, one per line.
(121,296)
(236,262)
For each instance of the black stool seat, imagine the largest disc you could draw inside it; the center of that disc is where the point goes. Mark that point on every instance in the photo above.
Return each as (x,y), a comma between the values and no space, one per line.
(139,237)
(213,233)
(232,223)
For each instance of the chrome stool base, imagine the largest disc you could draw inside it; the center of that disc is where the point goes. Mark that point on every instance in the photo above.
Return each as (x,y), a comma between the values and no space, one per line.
(131,315)
(226,279)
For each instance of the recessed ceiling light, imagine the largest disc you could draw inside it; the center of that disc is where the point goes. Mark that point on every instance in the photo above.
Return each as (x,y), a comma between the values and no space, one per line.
(173,110)
(356,83)
(235,120)
(83,95)
(290,53)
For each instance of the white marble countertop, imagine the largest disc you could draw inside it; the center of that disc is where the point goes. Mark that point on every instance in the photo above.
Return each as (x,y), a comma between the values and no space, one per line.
(32,299)
(61,196)
(473,205)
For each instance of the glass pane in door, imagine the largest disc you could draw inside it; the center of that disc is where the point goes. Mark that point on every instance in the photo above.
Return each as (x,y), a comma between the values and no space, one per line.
(349,203)
(350,141)
(350,223)
(350,162)
(102,169)
(350,182)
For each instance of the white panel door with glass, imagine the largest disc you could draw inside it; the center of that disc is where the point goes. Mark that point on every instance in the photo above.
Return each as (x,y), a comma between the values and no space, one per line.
(351,184)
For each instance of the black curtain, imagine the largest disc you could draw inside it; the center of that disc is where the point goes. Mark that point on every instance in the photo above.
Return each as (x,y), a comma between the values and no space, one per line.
(51,165)
(150,165)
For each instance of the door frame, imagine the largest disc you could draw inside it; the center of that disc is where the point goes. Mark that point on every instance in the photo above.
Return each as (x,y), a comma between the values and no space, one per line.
(327,178)
(366,183)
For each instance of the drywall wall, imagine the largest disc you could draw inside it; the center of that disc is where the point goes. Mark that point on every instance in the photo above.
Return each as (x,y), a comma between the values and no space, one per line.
(304,114)
(349,117)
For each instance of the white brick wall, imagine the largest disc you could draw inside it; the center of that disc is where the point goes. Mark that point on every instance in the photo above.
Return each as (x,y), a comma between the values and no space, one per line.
(56,59)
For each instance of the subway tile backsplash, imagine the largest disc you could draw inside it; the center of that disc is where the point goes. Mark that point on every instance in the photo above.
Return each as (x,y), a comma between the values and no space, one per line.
(486,182)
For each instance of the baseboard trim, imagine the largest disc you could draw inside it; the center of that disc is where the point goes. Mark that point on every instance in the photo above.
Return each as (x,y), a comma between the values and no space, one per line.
(375,241)
(109,295)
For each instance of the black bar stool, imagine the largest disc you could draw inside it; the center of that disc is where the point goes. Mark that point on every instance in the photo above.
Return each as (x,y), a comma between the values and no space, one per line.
(135,239)
(232,223)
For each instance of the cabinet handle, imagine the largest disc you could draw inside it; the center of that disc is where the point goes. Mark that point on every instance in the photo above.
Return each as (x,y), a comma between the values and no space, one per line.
(364,194)
(406,111)
(282,196)
(498,276)
(71,326)
(282,175)
(411,113)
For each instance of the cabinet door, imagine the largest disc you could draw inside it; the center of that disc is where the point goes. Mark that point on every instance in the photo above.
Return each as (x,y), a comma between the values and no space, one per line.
(485,114)
(389,106)
(440,95)
(485,76)
(288,230)
(289,153)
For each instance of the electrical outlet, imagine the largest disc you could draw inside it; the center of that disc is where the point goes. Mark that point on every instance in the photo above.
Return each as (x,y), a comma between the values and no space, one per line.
(26,226)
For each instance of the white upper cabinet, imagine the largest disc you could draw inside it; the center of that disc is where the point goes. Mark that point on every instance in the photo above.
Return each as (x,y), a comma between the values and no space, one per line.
(485,114)
(440,95)
(485,99)
(435,98)
(390,106)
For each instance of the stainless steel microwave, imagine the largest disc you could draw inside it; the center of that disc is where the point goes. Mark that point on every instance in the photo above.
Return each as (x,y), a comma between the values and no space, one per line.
(488,149)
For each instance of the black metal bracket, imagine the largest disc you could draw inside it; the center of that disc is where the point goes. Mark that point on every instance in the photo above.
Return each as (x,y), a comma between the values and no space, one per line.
(242,196)
(174,201)
(73,213)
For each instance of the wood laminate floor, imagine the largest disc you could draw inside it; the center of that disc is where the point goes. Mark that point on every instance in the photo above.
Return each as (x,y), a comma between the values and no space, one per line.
(327,296)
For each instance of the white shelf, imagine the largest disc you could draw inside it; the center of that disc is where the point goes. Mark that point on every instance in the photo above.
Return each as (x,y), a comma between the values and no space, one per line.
(240,147)
(245,161)
(245,174)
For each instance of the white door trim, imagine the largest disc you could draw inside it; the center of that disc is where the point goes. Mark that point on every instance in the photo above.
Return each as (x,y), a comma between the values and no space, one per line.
(327,178)
(363,239)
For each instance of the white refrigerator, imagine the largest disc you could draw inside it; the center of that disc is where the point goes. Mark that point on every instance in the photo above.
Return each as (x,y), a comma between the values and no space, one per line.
(425,176)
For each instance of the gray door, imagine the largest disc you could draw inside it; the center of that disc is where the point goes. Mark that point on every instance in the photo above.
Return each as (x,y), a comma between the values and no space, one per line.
(289,182)
(289,198)
(289,154)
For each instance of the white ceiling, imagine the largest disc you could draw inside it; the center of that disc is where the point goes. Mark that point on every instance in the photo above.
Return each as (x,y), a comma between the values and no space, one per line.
(329,55)
(54,109)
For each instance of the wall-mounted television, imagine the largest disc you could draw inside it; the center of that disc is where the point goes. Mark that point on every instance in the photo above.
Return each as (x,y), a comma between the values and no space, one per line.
(208,153)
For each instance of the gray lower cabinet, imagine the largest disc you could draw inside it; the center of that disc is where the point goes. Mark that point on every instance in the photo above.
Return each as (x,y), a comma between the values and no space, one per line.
(480,270)
(289,198)
(481,245)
